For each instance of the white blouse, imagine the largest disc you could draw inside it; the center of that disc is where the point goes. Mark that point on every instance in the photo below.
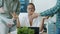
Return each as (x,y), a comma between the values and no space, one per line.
(24,21)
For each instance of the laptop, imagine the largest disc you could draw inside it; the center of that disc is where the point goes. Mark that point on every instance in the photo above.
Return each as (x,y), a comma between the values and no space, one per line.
(36,29)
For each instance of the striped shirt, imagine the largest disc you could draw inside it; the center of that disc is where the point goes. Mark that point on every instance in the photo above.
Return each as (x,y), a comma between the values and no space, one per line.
(52,11)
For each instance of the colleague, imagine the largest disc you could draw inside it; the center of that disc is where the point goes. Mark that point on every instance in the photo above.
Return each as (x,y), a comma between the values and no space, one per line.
(52,11)
(11,8)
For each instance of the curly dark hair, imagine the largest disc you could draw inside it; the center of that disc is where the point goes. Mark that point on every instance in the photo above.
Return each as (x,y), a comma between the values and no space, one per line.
(32,5)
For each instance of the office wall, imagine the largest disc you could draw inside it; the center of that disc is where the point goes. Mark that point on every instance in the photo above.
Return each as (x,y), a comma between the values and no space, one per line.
(42,5)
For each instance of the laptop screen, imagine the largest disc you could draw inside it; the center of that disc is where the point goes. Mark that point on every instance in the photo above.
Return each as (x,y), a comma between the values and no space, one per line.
(36,29)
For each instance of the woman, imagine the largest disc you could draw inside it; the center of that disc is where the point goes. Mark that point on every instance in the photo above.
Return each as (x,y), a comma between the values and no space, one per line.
(27,20)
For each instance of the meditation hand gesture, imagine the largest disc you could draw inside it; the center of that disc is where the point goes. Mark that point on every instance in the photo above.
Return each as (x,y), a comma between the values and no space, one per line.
(15,16)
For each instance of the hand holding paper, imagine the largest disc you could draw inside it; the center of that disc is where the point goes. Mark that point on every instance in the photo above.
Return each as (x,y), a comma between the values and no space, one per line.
(10,22)
(7,22)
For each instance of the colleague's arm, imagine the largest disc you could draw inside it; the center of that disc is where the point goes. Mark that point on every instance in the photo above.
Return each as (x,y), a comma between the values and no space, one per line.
(51,11)
(1,3)
(18,8)
(42,23)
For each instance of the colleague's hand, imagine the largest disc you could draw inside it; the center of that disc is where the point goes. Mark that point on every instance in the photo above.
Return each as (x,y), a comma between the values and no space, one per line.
(46,17)
(1,10)
(9,25)
(15,16)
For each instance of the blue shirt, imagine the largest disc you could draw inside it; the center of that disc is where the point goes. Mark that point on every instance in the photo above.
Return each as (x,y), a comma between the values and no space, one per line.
(52,11)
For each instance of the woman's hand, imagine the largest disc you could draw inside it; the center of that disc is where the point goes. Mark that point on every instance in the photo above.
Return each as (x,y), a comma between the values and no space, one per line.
(15,16)
(35,15)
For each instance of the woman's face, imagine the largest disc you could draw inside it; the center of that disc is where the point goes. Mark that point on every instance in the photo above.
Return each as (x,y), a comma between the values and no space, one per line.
(30,9)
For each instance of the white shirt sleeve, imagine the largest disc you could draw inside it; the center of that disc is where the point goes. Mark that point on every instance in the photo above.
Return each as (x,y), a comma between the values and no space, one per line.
(22,20)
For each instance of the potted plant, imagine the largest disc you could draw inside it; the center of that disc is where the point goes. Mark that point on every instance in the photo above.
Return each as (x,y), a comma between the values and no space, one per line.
(25,30)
